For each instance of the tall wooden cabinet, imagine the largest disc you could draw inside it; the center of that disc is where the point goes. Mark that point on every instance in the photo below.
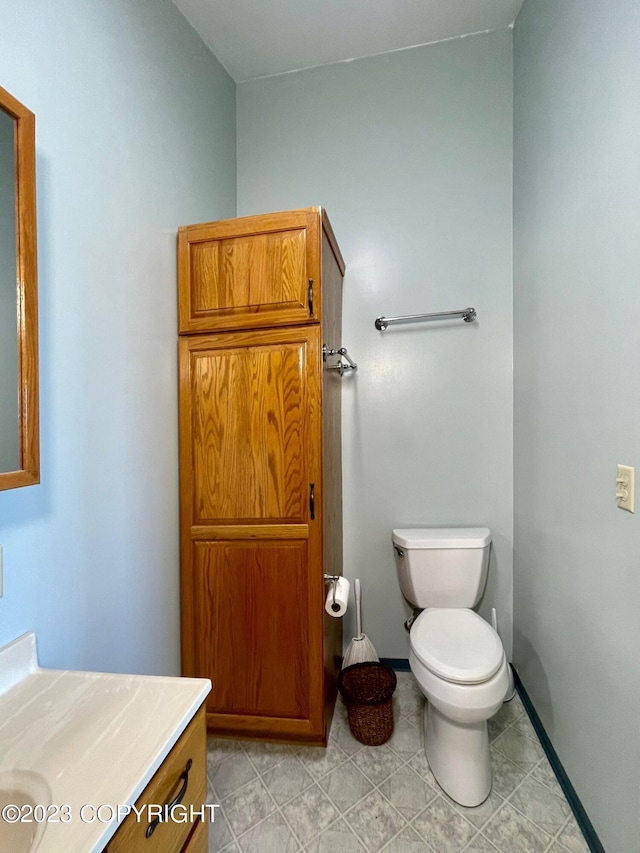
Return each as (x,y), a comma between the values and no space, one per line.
(260,469)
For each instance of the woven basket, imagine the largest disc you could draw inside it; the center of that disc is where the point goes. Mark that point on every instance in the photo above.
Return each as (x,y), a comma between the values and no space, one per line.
(367,690)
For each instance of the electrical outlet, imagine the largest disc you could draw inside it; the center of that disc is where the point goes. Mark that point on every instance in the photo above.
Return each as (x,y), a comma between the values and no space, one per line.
(625,487)
(1,584)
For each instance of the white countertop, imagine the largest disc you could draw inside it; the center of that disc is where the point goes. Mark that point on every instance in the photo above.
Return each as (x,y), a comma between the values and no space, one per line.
(93,738)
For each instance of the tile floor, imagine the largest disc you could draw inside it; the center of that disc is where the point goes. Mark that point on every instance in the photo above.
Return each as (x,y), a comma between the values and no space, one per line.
(351,798)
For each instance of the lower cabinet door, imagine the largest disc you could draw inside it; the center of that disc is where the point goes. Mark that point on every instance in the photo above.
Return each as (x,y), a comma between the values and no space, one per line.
(258,622)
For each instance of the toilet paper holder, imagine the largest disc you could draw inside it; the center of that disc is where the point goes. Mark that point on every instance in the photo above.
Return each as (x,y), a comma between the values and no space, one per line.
(334,579)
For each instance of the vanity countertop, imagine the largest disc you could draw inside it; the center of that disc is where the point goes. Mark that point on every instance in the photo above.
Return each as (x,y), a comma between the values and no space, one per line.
(93,739)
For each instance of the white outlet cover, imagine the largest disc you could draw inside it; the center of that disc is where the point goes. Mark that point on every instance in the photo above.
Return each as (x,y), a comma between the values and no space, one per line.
(626,472)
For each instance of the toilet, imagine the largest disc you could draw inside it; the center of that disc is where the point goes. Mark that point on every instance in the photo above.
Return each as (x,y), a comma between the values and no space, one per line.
(455,656)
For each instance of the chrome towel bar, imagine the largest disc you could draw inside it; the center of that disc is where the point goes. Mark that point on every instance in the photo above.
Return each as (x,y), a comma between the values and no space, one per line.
(467,314)
(341,367)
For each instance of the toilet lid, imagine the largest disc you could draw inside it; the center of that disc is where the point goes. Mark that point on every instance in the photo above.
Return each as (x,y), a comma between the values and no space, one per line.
(457,645)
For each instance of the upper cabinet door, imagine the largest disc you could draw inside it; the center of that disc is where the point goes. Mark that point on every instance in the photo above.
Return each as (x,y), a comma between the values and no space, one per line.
(253,272)
(250,432)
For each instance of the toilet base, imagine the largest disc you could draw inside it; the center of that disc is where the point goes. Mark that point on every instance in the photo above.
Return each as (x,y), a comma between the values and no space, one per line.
(458,754)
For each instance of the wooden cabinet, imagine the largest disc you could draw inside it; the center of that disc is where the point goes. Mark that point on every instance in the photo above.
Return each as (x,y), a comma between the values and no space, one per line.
(260,462)
(182,772)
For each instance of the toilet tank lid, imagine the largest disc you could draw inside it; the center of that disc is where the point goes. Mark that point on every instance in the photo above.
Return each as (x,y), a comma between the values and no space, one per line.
(442,537)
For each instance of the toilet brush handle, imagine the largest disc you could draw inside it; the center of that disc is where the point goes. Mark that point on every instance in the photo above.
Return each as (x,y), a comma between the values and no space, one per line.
(356,593)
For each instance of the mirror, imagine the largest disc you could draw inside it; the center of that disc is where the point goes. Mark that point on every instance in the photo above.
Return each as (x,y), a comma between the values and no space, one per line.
(19,410)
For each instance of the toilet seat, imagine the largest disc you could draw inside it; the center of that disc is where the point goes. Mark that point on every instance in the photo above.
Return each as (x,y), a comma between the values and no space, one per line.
(457,645)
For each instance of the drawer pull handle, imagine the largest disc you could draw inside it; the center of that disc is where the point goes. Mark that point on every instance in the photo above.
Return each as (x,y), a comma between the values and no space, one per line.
(168,807)
(310,297)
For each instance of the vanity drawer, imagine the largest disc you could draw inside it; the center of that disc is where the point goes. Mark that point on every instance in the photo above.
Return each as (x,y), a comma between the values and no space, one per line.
(171,776)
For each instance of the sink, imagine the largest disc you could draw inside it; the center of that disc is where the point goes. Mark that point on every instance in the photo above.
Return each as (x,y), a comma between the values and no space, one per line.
(25,790)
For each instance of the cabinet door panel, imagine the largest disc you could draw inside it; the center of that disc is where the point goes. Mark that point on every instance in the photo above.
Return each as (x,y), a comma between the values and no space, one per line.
(249,272)
(249,433)
(252,619)
(245,272)
(248,412)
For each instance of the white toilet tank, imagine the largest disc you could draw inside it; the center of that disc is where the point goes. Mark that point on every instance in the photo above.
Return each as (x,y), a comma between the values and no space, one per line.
(442,566)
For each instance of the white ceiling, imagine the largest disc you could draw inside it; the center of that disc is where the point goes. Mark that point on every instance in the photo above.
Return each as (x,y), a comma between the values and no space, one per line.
(256,38)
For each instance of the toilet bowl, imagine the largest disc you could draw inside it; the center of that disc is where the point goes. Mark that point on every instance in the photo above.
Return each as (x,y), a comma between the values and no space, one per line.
(460,666)
(455,656)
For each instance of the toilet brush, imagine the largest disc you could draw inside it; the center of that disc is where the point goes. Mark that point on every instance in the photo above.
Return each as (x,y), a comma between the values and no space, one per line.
(360,648)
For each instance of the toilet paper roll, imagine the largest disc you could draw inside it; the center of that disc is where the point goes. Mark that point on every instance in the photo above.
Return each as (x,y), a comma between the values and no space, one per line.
(339,608)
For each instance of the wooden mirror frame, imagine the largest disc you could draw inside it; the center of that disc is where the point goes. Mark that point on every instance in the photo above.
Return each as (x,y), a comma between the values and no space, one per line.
(26,295)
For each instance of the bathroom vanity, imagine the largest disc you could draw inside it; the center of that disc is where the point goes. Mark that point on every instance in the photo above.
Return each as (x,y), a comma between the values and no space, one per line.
(78,749)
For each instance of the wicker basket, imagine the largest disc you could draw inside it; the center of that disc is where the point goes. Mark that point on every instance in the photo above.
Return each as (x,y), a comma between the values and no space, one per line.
(367,690)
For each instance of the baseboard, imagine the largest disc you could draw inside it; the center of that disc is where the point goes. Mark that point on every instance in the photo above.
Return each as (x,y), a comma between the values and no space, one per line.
(582,818)
(397,664)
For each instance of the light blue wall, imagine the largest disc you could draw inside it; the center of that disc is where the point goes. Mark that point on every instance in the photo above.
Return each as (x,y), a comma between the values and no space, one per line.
(577,393)
(135,136)
(411,154)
